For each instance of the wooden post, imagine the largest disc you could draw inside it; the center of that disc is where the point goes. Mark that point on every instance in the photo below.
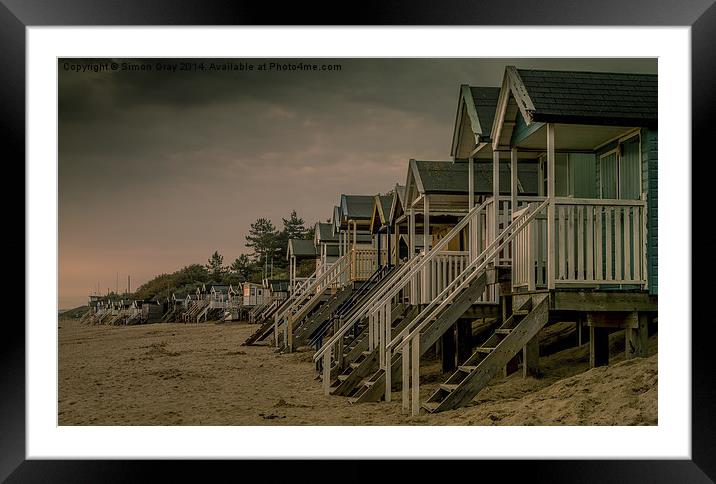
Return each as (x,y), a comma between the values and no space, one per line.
(327,372)
(513,178)
(405,383)
(388,375)
(397,244)
(496,198)
(470,205)
(637,338)
(387,249)
(598,346)
(377,257)
(448,350)
(425,289)
(415,375)
(464,340)
(411,252)
(530,358)
(551,207)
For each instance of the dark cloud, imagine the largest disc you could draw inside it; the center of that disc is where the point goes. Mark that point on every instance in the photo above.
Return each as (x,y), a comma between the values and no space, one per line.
(158,169)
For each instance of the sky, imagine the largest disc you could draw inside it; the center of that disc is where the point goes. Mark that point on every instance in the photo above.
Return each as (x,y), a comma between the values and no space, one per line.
(158,168)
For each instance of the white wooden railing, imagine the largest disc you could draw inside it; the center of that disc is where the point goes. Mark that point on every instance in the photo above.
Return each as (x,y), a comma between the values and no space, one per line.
(408,340)
(364,262)
(378,309)
(299,290)
(596,242)
(330,277)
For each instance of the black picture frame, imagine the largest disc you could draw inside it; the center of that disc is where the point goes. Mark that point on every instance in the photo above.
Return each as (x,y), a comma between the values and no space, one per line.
(700,15)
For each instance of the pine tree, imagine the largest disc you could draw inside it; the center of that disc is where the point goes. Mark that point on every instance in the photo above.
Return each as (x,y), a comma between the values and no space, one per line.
(216,265)
(262,239)
(242,266)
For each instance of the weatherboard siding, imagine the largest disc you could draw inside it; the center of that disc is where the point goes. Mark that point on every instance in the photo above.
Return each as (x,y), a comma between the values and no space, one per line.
(650,163)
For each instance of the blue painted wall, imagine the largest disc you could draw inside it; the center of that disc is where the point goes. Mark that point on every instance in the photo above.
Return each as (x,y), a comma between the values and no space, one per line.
(650,165)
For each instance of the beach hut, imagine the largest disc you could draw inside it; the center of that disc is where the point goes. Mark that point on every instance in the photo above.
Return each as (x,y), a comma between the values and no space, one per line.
(299,250)
(583,249)
(326,242)
(253,294)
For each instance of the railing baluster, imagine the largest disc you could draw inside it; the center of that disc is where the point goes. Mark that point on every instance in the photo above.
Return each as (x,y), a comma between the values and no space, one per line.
(618,243)
(561,244)
(635,243)
(571,273)
(590,242)
(609,253)
(580,243)
(598,244)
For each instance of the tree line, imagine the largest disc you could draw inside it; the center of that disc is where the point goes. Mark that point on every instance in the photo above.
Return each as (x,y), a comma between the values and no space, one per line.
(268,247)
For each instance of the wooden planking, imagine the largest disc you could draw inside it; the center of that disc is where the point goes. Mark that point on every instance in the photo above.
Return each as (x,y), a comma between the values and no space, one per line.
(628,255)
(495,361)
(598,244)
(580,242)
(618,242)
(608,253)
(562,243)
(636,244)
(603,301)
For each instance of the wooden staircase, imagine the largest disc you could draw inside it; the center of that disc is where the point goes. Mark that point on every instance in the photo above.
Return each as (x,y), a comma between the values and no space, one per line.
(350,306)
(321,315)
(359,362)
(487,360)
(190,315)
(260,334)
(373,388)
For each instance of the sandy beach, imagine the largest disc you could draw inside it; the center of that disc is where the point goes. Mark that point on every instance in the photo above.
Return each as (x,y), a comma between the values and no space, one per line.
(198,374)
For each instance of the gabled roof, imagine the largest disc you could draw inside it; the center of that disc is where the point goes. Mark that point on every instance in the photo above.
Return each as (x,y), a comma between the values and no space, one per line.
(381,211)
(475,111)
(336,220)
(356,207)
(446,177)
(397,204)
(324,233)
(579,97)
(301,248)
(278,285)
(220,288)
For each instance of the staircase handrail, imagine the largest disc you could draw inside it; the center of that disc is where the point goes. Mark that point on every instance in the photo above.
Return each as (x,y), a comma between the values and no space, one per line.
(327,277)
(394,286)
(486,256)
(300,290)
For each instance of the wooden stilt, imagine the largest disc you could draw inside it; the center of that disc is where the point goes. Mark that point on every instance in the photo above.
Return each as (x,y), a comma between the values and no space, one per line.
(530,358)
(464,340)
(637,337)
(448,350)
(598,346)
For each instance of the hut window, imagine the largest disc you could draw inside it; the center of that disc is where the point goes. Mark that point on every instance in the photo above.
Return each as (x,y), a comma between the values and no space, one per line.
(620,171)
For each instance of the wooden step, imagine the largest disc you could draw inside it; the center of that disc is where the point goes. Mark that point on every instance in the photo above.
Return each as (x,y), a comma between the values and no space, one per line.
(430,406)
(520,312)
(503,331)
(448,386)
(466,368)
(354,365)
(484,349)
(342,377)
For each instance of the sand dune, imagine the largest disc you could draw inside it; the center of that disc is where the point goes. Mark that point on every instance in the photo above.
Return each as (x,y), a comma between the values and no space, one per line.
(176,374)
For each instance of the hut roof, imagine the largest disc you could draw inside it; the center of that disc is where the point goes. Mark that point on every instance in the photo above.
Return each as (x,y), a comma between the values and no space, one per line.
(451,177)
(356,207)
(579,97)
(301,248)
